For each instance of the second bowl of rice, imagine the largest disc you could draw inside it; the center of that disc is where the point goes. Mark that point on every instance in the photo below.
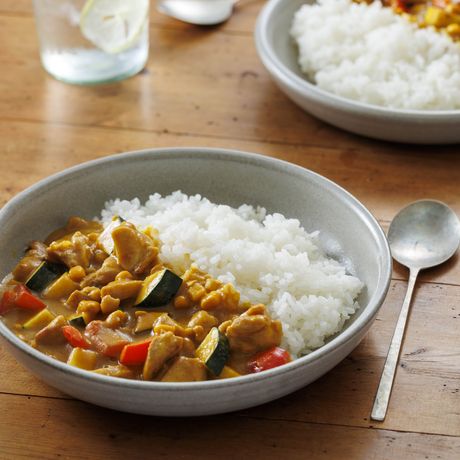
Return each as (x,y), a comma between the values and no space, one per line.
(330,59)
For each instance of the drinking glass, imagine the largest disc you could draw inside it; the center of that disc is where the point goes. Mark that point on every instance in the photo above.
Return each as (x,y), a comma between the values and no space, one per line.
(92,41)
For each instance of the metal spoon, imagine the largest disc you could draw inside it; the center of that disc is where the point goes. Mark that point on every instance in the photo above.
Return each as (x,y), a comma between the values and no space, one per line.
(198,12)
(424,234)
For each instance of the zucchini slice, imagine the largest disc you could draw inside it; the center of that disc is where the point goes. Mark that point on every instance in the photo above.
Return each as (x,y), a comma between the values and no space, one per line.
(84,359)
(214,351)
(158,289)
(77,321)
(60,288)
(145,320)
(44,274)
(228,373)
(40,320)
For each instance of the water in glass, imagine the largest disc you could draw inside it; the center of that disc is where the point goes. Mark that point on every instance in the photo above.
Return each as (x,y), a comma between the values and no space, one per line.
(68,54)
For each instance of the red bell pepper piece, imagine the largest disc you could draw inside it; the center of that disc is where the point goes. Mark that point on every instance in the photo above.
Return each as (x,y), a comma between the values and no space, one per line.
(135,354)
(74,337)
(269,359)
(401,5)
(7,301)
(20,297)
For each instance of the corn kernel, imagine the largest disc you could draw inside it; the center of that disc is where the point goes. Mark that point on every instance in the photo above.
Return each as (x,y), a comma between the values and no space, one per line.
(211,300)
(109,304)
(88,316)
(88,306)
(124,275)
(77,273)
(453,8)
(212,284)
(160,328)
(196,292)
(116,319)
(181,302)
(93,293)
(453,30)
(435,17)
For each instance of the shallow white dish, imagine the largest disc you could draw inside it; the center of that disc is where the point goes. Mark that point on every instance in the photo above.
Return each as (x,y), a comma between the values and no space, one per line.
(223,176)
(279,55)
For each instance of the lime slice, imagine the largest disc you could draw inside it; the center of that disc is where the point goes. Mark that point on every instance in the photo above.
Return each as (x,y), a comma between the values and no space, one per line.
(113,25)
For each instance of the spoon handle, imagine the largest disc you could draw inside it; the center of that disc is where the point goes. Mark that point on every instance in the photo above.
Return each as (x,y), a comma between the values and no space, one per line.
(382,397)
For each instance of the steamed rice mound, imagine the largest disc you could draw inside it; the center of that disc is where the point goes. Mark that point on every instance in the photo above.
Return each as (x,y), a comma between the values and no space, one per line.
(370,54)
(268,258)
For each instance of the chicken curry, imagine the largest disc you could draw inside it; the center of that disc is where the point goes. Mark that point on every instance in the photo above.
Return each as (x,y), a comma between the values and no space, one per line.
(443,15)
(102,300)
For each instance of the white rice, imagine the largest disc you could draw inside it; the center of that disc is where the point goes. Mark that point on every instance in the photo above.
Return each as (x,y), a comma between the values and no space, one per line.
(269,259)
(370,54)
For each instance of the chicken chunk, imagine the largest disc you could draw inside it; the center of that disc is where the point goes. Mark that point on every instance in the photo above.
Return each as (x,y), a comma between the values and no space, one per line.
(122,289)
(185,370)
(76,251)
(52,333)
(73,225)
(116,319)
(188,348)
(226,298)
(203,318)
(164,318)
(87,293)
(116,371)
(162,347)
(145,320)
(105,340)
(135,251)
(202,322)
(253,331)
(104,275)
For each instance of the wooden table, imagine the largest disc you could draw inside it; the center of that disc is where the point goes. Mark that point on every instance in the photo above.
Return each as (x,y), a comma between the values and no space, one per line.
(206,87)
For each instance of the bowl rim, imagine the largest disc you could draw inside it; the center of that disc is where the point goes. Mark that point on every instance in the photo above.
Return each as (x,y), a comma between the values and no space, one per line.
(366,317)
(301,85)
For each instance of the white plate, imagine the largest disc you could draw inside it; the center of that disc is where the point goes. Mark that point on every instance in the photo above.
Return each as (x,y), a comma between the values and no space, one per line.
(279,55)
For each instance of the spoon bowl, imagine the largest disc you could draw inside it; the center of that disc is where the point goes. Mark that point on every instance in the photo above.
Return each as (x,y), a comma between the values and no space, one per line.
(198,12)
(424,234)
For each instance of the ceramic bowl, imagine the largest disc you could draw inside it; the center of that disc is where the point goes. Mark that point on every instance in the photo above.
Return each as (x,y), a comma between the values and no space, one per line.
(279,55)
(348,232)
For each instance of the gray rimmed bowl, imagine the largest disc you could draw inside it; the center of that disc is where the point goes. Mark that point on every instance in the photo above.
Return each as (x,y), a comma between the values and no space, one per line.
(348,232)
(279,55)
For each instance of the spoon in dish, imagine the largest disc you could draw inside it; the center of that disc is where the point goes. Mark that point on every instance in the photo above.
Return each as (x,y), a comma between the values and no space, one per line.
(424,234)
(198,12)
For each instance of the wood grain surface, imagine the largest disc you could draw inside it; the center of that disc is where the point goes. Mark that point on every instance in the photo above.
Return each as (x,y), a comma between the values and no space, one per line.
(206,87)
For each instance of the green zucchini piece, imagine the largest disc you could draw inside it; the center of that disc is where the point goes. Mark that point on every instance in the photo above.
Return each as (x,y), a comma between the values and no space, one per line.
(39,320)
(158,289)
(214,351)
(44,274)
(146,319)
(77,321)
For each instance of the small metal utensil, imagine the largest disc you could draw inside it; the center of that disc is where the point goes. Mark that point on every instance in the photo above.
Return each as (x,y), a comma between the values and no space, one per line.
(198,12)
(424,234)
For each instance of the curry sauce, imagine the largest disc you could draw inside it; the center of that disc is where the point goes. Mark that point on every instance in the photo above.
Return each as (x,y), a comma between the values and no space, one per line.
(443,15)
(103,300)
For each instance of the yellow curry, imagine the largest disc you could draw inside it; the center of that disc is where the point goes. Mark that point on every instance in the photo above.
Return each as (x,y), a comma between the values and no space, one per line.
(444,15)
(102,300)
